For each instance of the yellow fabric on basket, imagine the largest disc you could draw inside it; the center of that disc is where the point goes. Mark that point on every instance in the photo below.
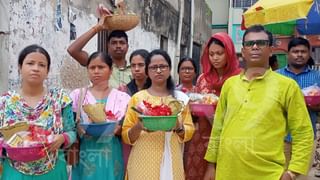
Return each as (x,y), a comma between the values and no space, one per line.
(146,153)
(276,11)
(96,112)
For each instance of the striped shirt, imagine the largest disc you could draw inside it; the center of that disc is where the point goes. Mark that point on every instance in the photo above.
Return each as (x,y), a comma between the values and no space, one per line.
(306,78)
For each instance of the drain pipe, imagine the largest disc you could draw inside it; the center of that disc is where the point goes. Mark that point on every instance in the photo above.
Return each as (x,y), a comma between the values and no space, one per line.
(191,29)
(177,53)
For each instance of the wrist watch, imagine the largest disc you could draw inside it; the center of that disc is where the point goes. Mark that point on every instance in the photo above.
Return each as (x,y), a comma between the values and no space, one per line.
(292,175)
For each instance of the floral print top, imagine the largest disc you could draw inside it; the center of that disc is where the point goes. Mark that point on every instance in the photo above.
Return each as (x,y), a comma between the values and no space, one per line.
(53,112)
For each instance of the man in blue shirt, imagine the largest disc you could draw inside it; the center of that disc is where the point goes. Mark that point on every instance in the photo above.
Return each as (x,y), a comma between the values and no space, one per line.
(299,70)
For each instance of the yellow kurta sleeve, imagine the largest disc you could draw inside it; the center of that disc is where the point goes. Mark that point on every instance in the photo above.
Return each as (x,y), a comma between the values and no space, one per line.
(214,141)
(299,125)
(130,120)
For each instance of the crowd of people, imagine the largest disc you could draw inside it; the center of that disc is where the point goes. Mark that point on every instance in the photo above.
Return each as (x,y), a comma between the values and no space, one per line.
(262,127)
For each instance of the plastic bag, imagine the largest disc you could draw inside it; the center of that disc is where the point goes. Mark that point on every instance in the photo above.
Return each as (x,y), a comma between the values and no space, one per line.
(313,90)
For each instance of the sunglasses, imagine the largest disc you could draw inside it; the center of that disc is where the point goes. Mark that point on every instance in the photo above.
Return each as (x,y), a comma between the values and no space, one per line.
(258,43)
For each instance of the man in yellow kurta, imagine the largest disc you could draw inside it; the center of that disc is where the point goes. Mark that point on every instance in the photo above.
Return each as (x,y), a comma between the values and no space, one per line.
(256,110)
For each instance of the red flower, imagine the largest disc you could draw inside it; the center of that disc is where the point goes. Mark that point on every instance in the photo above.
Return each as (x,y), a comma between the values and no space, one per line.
(39,134)
(157,110)
(110,115)
(184,89)
(42,152)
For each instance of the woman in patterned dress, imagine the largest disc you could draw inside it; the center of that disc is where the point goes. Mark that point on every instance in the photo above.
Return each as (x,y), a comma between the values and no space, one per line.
(49,108)
(151,150)
(219,62)
(100,157)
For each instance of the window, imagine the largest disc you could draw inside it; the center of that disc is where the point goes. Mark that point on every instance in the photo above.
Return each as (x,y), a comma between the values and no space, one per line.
(183,51)
(164,43)
(243,3)
(196,56)
(102,41)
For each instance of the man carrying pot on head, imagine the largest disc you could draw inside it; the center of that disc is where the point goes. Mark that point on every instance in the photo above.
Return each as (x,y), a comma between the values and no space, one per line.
(117,48)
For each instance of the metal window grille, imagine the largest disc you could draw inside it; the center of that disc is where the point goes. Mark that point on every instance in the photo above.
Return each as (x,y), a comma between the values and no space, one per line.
(102,41)
(243,3)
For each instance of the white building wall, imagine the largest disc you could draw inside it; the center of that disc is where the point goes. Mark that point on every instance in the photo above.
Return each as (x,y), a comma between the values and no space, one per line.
(4,63)
(33,22)
(4,40)
(211,5)
(234,27)
(220,13)
(141,39)
(174,4)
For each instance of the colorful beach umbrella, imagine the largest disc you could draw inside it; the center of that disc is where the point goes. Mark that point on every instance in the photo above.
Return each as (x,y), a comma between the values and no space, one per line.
(284,16)
(310,25)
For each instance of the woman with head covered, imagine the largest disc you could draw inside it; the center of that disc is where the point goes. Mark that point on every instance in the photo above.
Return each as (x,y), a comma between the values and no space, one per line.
(219,62)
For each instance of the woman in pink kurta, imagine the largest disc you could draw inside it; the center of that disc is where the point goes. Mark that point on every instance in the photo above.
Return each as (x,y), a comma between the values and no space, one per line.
(100,157)
(219,62)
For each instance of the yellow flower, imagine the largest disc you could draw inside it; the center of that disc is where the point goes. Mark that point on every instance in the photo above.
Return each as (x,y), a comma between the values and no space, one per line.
(15,98)
(45,114)
(65,98)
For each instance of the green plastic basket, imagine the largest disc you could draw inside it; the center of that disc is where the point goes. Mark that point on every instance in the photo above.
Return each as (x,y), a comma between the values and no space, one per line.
(159,123)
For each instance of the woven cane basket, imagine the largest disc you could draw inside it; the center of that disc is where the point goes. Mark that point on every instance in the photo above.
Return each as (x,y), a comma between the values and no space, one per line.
(9,131)
(124,22)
